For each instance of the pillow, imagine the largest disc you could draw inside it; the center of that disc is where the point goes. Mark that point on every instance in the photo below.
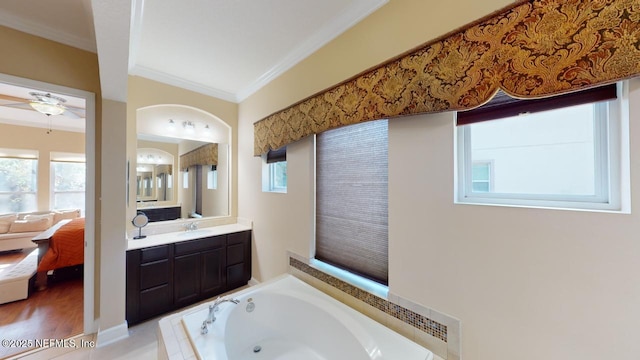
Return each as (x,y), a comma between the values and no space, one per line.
(65,214)
(48,217)
(5,222)
(28,225)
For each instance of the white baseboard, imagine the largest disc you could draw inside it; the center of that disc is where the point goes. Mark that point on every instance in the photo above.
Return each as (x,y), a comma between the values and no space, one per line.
(112,334)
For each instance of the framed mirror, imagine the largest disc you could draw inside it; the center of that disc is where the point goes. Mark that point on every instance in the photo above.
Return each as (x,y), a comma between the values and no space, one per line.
(197,179)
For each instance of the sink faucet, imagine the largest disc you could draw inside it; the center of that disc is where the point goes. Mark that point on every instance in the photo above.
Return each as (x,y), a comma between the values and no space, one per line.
(212,310)
(191,226)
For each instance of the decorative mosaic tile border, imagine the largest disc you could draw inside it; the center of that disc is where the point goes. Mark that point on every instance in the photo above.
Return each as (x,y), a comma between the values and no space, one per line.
(412,318)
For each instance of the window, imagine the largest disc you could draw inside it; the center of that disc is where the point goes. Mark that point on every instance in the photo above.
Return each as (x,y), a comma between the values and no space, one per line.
(212,178)
(274,171)
(18,180)
(548,155)
(351,199)
(481,179)
(68,185)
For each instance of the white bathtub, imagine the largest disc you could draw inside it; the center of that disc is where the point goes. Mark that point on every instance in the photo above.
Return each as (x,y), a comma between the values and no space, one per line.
(293,321)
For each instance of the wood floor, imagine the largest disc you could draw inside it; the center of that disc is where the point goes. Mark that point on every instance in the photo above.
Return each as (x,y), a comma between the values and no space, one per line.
(56,313)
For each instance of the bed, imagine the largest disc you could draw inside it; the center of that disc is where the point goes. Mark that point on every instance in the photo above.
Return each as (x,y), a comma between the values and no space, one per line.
(60,246)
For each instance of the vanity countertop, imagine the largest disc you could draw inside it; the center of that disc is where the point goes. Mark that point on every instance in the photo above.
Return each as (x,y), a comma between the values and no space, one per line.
(154,206)
(178,236)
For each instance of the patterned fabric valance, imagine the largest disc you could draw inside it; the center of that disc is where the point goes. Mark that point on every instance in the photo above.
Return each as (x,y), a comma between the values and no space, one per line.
(533,49)
(204,155)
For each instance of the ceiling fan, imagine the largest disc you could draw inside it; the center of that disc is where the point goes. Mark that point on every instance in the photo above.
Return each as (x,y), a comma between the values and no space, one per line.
(44,103)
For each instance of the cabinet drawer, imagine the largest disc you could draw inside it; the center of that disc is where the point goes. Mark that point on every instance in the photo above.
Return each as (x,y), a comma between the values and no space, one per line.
(191,246)
(154,253)
(155,301)
(235,254)
(243,237)
(154,274)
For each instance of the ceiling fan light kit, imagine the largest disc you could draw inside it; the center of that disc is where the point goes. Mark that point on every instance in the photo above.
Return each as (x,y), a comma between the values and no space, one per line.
(47,104)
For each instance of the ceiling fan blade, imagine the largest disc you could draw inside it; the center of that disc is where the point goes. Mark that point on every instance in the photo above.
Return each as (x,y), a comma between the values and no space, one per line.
(24,106)
(74,114)
(13,98)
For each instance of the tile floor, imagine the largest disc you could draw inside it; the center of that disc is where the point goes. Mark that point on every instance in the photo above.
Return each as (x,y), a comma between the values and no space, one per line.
(142,344)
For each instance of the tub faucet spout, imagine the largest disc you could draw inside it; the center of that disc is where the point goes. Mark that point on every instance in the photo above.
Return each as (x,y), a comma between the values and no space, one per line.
(215,307)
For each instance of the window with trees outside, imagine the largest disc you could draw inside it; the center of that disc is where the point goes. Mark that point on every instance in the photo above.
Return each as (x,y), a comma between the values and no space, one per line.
(68,184)
(18,180)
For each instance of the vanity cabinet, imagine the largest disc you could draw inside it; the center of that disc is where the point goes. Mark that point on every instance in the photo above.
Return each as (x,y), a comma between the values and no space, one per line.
(199,266)
(167,277)
(149,282)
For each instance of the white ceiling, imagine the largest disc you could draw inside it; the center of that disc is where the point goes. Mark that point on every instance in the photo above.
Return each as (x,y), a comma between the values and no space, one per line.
(231,48)
(223,48)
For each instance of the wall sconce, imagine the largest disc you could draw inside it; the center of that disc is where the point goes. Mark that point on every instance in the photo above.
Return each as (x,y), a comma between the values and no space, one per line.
(171,125)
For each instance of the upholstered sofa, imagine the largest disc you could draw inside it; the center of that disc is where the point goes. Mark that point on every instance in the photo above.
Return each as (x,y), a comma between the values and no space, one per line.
(17,230)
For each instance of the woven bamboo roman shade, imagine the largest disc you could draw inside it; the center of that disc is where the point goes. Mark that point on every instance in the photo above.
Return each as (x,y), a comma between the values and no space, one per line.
(533,49)
(204,155)
(351,199)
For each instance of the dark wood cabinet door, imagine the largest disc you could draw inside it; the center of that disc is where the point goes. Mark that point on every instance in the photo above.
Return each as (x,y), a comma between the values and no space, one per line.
(213,274)
(155,301)
(186,279)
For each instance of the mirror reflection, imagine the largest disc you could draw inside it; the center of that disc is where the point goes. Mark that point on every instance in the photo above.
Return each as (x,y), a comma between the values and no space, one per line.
(176,173)
(183,158)
(154,175)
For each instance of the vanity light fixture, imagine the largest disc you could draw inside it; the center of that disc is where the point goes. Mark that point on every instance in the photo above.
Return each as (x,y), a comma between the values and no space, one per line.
(189,126)
(207,129)
(171,125)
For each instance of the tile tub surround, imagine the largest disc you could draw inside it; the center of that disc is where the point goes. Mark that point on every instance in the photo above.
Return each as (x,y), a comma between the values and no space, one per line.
(436,331)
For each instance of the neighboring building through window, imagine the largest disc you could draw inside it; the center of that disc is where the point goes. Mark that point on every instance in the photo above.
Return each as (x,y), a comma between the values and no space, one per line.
(481,176)
(549,156)
(274,171)
(18,180)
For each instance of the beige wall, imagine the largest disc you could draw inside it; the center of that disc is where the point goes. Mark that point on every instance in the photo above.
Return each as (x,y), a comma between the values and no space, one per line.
(113,200)
(525,283)
(22,137)
(397,27)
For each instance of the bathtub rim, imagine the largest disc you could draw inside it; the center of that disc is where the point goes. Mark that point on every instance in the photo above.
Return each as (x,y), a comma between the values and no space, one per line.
(359,316)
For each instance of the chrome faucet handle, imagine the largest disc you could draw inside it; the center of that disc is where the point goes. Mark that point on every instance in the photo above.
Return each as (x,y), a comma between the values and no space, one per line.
(211,317)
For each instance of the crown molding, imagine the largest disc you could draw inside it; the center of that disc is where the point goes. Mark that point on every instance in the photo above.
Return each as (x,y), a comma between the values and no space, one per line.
(351,16)
(43,31)
(145,72)
(345,20)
